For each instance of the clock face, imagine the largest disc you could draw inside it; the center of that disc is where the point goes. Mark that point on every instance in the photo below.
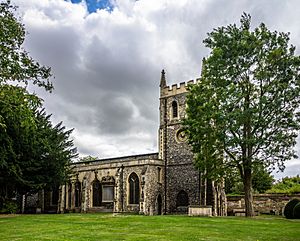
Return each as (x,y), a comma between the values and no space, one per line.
(181,136)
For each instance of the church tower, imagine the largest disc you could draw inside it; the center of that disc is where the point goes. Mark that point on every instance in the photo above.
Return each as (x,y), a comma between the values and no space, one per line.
(182,179)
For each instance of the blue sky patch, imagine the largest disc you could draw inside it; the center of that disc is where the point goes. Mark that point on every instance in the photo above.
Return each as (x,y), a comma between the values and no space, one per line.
(93,5)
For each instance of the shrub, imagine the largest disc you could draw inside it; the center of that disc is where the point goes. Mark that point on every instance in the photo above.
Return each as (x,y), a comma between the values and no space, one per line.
(295,188)
(9,207)
(296,211)
(289,208)
(288,185)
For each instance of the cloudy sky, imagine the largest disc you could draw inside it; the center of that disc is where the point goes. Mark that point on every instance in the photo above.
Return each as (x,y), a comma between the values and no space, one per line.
(107,56)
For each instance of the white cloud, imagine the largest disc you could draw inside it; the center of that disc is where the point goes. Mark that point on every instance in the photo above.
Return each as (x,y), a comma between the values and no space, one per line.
(107,64)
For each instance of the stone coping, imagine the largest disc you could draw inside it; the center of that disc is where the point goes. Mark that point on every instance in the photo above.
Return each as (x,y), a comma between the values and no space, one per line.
(115,164)
(267,195)
(153,157)
(122,158)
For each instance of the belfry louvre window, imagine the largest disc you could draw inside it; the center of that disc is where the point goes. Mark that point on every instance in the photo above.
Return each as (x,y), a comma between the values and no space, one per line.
(174,109)
(158,174)
(134,189)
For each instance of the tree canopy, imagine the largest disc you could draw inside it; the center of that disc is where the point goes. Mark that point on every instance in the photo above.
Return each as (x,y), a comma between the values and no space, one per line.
(34,153)
(15,62)
(87,158)
(245,109)
(287,185)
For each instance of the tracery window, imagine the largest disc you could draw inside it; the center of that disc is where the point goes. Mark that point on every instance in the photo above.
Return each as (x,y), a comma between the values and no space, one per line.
(70,195)
(134,189)
(77,194)
(174,109)
(97,193)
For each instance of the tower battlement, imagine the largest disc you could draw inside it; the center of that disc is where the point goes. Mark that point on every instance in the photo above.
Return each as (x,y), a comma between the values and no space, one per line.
(176,89)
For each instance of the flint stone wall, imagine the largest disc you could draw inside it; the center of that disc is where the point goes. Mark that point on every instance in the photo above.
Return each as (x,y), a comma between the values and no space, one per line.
(146,168)
(181,173)
(263,203)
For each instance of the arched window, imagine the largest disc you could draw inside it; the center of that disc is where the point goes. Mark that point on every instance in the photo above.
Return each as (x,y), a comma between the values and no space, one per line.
(182,199)
(77,194)
(174,109)
(97,193)
(70,195)
(134,189)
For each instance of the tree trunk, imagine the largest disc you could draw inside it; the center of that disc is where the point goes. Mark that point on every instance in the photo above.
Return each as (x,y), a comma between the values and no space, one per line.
(248,193)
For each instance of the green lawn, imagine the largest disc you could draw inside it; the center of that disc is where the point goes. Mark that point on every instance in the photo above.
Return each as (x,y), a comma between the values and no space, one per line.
(136,227)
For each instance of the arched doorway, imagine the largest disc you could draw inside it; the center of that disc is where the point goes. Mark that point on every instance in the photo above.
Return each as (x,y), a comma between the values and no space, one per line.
(159,204)
(182,202)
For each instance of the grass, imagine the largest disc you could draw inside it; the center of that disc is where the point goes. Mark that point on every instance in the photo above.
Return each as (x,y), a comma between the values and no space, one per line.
(136,227)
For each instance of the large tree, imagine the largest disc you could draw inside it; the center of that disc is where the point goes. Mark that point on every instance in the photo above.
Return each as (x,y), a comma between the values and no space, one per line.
(17,113)
(245,109)
(34,154)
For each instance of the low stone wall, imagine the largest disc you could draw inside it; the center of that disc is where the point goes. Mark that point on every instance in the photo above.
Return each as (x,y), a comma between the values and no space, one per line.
(263,203)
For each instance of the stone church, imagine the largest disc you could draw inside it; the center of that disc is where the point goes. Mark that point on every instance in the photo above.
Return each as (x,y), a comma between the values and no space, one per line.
(151,184)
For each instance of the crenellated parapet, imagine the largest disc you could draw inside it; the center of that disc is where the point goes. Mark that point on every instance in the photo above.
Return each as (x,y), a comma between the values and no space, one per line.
(175,89)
